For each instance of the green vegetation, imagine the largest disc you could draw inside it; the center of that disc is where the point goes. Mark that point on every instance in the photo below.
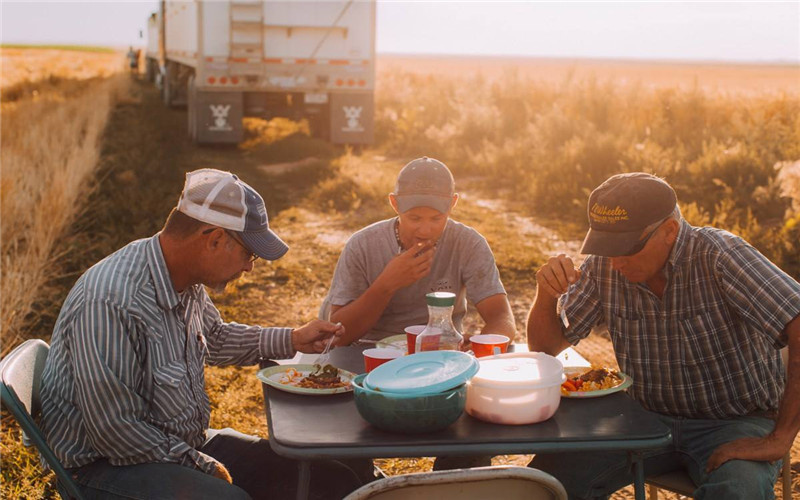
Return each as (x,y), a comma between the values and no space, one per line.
(551,144)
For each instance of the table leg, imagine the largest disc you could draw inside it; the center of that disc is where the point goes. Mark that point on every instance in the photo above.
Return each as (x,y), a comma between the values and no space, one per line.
(303,479)
(638,474)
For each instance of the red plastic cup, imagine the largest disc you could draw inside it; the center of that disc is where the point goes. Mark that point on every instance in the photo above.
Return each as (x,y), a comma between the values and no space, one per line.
(489,344)
(411,336)
(374,358)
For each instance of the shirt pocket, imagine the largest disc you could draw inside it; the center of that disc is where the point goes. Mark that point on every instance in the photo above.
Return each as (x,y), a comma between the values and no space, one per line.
(170,391)
(706,343)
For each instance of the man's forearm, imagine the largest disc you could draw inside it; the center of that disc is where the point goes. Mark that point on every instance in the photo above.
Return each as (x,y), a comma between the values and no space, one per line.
(544,326)
(361,314)
(788,423)
(502,326)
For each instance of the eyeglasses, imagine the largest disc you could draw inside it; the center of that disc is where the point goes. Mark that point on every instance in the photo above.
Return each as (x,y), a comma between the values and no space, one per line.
(253,257)
(642,242)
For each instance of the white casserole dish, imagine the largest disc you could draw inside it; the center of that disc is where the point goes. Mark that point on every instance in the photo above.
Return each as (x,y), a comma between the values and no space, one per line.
(515,388)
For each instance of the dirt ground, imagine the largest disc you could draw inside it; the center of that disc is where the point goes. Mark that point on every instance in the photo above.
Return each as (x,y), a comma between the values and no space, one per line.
(289,291)
(146,151)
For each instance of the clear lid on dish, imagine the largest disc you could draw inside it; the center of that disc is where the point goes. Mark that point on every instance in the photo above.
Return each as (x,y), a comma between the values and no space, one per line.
(423,373)
(528,369)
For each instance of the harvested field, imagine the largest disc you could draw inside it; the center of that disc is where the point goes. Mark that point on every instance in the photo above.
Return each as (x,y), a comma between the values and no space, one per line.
(316,196)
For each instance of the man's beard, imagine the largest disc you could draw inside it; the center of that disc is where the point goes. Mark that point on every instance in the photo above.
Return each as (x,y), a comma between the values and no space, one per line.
(221,287)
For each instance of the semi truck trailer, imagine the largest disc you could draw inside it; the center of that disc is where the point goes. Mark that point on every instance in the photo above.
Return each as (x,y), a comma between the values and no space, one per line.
(230,59)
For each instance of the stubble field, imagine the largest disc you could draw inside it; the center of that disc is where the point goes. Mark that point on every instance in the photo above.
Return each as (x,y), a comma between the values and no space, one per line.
(317,195)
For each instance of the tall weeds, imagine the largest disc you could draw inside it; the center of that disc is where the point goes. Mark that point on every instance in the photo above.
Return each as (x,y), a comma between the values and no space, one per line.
(50,149)
(549,144)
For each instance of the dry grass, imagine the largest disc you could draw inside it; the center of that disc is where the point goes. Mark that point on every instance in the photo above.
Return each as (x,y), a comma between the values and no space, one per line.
(725,78)
(51,138)
(30,65)
(316,197)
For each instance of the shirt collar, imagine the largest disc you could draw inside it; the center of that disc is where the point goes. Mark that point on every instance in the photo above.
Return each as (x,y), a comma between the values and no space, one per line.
(166,296)
(679,248)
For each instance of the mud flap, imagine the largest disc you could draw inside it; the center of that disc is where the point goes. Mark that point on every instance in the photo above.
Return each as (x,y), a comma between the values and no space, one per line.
(352,118)
(218,117)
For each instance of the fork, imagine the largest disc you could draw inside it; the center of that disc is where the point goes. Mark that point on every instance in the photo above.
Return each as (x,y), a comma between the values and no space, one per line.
(326,353)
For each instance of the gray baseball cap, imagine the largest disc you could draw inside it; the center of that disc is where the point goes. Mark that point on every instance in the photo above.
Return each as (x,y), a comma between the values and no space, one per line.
(425,182)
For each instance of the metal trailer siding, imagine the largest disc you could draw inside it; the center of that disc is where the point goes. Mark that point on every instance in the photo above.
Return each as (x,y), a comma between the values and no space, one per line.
(153,23)
(180,18)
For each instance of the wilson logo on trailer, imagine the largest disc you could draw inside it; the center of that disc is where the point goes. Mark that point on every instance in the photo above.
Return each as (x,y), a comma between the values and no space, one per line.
(352,116)
(220,113)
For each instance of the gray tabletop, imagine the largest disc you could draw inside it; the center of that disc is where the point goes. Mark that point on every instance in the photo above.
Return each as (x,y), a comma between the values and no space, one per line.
(313,427)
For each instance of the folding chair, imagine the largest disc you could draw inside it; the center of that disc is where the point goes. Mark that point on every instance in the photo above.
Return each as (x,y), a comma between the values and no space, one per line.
(20,379)
(678,481)
(506,482)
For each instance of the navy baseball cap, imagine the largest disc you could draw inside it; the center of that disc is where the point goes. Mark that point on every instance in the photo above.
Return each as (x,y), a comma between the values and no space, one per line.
(621,208)
(425,182)
(222,199)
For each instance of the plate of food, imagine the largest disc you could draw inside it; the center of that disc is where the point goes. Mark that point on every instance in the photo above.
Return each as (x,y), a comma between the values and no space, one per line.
(394,342)
(313,380)
(593,382)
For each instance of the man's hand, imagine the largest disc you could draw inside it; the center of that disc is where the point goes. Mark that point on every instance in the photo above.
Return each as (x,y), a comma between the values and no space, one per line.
(312,337)
(222,473)
(408,267)
(557,275)
(765,449)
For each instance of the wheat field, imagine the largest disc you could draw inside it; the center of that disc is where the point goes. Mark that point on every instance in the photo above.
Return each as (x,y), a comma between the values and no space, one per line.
(54,110)
(91,160)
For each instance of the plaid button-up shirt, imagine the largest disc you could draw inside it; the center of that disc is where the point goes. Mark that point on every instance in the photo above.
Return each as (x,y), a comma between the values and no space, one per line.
(709,347)
(124,379)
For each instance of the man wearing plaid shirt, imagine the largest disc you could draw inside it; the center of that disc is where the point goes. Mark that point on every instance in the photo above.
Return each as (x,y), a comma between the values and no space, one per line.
(697,317)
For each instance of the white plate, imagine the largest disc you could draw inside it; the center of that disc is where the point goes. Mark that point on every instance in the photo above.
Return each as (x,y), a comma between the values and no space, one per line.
(626,382)
(394,342)
(272,376)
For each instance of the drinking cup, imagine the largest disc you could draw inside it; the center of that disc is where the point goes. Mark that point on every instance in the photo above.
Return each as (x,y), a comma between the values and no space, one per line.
(411,336)
(489,344)
(373,358)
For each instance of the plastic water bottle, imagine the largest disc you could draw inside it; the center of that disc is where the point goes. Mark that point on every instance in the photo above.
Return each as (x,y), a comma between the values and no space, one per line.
(440,334)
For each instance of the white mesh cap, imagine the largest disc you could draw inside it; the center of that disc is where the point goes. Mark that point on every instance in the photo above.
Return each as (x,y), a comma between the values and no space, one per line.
(222,199)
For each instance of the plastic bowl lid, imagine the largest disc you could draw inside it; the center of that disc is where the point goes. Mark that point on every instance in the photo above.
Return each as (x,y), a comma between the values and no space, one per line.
(532,370)
(423,372)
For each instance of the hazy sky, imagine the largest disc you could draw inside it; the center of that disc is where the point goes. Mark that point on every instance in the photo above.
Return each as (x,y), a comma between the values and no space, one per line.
(727,31)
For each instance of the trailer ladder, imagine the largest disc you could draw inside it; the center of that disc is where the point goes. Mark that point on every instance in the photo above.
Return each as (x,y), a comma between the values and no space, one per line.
(246,36)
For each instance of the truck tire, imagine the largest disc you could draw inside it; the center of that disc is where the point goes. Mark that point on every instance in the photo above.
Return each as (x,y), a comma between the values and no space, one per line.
(168,84)
(150,70)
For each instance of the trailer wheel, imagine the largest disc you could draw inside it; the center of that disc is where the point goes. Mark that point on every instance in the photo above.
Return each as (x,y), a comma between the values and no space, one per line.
(149,70)
(320,123)
(168,84)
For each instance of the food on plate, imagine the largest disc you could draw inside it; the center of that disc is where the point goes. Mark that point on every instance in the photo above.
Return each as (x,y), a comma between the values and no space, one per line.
(323,377)
(594,379)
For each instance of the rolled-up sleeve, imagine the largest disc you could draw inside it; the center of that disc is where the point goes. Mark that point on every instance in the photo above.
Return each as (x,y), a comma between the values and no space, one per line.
(241,345)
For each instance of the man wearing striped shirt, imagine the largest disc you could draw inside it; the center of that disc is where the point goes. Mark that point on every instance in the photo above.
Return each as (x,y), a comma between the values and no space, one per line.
(124,405)
(697,317)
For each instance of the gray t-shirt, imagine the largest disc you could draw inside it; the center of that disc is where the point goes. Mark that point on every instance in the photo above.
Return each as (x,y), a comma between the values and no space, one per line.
(463,265)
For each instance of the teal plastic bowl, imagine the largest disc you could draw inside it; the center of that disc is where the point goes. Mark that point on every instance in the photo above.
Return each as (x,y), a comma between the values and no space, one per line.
(409,413)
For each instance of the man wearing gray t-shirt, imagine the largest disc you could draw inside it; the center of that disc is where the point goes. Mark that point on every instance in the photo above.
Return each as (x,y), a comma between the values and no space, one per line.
(386,269)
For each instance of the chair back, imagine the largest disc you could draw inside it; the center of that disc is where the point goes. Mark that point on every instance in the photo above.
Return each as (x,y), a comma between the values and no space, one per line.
(506,482)
(20,381)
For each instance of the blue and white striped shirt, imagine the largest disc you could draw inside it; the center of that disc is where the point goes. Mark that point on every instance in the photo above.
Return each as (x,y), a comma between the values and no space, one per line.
(124,379)
(709,347)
